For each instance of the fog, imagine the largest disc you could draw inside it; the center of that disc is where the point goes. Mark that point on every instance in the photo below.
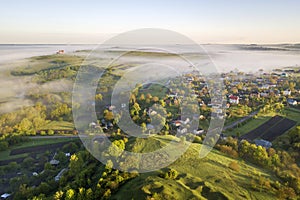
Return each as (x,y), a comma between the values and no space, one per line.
(247,58)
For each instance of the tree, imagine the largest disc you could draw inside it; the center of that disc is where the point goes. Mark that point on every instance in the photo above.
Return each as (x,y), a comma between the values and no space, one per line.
(3,145)
(70,194)
(286,193)
(116,148)
(89,194)
(28,162)
(76,163)
(142,97)
(109,116)
(98,97)
(58,195)
(234,166)
(171,174)
(109,165)
(25,126)
(136,107)
(155,99)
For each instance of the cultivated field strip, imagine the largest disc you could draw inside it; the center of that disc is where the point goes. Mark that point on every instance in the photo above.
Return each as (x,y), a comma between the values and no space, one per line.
(271,129)
(259,131)
(278,129)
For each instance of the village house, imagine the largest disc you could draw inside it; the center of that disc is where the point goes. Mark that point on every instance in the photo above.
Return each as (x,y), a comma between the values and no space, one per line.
(5,196)
(263,143)
(292,102)
(60,51)
(286,92)
(234,99)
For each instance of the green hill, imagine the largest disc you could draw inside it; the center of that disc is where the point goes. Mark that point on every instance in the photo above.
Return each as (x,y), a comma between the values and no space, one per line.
(208,178)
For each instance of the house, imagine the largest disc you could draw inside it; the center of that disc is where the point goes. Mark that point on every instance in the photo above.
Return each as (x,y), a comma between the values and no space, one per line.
(60,51)
(264,94)
(182,131)
(67,154)
(255,95)
(54,162)
(263,143)
(177,123)
(35,174)
(265,87)
(286,92)
(284,74)
(292,102)
(187,121)
(234,99)
(5,196)
(198,131)
(110,107)
(173,95)
(150,127)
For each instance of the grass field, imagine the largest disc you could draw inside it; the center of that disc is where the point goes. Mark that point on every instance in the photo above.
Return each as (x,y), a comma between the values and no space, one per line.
(290,113)
(47,62)
(58,125)
(5,155)
(207,178)
(250,125)
(156,90)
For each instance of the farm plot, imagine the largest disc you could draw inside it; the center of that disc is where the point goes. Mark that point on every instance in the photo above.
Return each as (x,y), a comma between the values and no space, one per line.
(259,131)
(37,149)
(278,129)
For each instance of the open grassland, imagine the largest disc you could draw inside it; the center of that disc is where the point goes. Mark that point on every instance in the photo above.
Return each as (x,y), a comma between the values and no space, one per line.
(58,125)
(207,178)
(249,125)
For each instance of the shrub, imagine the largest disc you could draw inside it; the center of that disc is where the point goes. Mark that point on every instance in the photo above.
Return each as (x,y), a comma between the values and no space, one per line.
(171,174)
(229,151)
(234,166)
(50,132)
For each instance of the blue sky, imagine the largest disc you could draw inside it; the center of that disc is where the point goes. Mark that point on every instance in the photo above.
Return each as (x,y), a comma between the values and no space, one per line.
(209,21)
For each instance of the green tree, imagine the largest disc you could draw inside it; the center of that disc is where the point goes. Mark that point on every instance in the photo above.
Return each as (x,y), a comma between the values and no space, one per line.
(70,194)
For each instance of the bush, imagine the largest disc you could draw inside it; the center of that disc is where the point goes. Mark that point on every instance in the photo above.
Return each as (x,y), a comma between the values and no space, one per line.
(50,132)
(197,140)
(171,174)
(234,166)
(229,151)
(286,193)
(43,133)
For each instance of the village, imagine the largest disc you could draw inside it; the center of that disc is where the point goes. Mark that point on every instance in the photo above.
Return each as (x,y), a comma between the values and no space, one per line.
(247,96)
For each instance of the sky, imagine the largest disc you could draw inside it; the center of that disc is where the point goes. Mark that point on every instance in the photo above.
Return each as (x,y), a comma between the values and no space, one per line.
(204,21)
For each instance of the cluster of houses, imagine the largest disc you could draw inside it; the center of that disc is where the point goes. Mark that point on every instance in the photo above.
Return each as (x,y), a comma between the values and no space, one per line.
(260,86)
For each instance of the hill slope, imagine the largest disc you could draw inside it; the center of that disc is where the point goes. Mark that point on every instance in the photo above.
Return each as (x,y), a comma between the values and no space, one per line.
(208,178)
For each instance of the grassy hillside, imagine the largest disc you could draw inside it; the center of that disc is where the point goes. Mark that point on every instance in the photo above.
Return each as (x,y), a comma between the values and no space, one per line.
(208,178)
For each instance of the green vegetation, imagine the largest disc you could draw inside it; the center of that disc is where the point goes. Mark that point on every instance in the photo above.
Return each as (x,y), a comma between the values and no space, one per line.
(5,155)
(199,179)
(58,125)
(233,170)
(247,126)
(43,65)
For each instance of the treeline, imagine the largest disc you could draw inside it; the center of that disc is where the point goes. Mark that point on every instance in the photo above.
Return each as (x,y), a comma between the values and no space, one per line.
(29,120)
(68,72)
(280,162)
